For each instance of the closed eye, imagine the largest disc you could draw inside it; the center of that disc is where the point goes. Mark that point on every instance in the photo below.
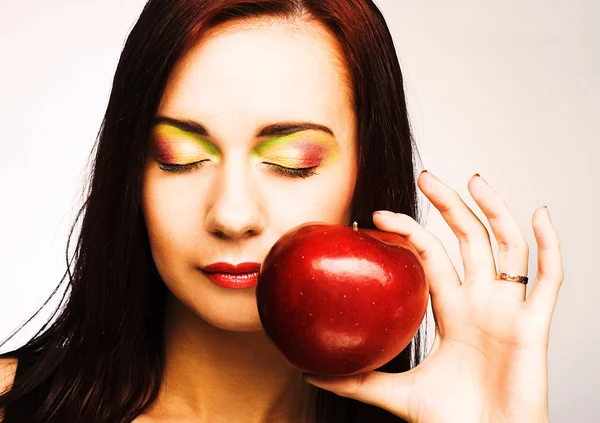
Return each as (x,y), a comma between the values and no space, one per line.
(282,170)
(293,172)
(181,168)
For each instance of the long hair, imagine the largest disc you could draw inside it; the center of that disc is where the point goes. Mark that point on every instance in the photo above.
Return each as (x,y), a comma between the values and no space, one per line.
(100,358)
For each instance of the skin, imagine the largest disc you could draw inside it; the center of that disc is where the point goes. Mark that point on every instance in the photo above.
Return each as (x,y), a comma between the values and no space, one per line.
(237,82)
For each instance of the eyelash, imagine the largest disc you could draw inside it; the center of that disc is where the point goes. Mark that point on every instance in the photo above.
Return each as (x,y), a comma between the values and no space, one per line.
(178,168)
(285,171)
(304,172)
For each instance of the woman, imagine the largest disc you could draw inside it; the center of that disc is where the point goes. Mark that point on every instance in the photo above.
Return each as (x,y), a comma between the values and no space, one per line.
(229,123)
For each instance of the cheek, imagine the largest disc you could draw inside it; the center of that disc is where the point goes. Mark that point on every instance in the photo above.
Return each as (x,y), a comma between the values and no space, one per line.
(326,197)
(172,218)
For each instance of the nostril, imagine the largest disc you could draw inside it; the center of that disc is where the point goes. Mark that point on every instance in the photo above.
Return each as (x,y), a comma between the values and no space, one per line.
(229,221)
(220,235)
(233,234)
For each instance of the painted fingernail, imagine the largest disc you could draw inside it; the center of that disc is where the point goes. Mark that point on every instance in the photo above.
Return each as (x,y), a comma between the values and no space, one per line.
(428,173)
(477,175)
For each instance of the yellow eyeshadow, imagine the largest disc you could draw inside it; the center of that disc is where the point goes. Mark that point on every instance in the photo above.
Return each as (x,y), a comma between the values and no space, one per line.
(305,149)
(175,146)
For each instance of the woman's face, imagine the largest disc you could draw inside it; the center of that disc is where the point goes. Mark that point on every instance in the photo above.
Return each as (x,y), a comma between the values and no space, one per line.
(270,143)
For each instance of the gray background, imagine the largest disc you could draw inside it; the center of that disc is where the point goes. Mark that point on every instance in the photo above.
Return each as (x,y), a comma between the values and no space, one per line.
(508,89)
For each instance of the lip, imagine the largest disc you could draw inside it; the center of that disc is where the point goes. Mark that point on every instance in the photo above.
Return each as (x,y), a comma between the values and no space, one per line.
(233,276)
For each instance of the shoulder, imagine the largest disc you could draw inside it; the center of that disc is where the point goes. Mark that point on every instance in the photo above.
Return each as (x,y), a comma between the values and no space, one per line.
(8,369)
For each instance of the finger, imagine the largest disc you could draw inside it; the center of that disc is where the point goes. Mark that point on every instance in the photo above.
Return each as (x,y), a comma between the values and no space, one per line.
(437,265)
(388,391)
(513,251)
(550,274)
(473,237)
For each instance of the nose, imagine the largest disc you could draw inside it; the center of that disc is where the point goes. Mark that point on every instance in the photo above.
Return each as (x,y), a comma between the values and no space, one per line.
(235,210)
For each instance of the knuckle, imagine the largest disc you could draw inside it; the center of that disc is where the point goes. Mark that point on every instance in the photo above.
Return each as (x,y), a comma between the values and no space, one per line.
(476,234)
(551,275)
(432,249)
(514,245)
(448,201)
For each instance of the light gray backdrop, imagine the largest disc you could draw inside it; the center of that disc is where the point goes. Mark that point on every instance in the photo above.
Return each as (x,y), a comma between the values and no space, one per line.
(508,89)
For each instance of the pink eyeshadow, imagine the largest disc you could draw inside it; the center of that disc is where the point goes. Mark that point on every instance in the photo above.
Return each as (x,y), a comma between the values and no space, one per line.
(164,150)
(313,154)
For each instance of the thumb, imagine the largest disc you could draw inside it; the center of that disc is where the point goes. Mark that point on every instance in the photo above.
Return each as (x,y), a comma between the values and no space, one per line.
(390,391)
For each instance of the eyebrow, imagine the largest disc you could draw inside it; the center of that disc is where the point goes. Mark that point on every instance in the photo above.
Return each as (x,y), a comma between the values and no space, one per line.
(271,130)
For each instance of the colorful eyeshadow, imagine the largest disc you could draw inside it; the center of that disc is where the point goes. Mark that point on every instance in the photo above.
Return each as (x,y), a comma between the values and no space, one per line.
(299,150)
(176,146)
(297,154)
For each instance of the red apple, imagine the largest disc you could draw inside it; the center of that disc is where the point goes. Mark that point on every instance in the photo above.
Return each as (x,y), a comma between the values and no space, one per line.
(338,300)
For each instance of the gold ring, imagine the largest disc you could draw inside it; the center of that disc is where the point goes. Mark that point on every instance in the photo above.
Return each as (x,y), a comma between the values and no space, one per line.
(513,278)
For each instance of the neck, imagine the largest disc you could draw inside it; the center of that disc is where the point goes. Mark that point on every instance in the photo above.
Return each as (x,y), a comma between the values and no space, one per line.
(216,375)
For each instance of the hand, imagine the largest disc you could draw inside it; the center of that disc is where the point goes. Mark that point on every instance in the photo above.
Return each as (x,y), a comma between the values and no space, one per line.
(488,362)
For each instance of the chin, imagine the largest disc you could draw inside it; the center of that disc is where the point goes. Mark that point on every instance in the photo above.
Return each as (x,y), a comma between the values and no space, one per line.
(236,315)
(225,309)
(239,326)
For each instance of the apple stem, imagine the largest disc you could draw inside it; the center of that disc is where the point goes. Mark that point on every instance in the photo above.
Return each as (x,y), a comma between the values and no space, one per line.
(355,226)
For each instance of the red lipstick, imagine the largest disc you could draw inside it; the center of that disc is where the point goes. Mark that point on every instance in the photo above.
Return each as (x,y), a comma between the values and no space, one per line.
(235,276)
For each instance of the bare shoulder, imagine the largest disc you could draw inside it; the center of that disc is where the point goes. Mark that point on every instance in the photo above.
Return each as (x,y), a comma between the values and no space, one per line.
(8,368)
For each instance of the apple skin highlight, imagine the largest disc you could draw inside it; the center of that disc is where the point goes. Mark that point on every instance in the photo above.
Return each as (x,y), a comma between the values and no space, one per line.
(337,301)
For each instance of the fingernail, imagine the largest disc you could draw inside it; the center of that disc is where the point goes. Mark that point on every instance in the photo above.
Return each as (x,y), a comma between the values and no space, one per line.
(384,213)
(477,175)
(426,172)
(548,213)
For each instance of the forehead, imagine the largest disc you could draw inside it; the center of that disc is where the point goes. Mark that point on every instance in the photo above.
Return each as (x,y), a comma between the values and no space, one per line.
(247,73)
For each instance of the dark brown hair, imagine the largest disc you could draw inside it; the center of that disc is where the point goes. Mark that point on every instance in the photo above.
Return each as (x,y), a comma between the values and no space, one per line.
(101,356)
